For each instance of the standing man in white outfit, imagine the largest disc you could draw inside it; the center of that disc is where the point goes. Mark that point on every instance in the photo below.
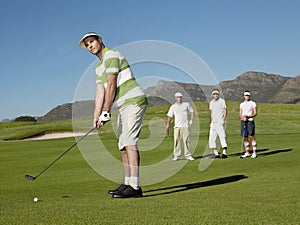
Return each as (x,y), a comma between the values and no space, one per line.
(183,121)
(218,114)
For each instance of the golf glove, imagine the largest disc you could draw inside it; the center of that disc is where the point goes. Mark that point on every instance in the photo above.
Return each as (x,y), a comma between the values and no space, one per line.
(190,122)
(104,117)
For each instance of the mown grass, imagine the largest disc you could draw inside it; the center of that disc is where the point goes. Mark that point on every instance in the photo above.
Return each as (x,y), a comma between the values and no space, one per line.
(231,191)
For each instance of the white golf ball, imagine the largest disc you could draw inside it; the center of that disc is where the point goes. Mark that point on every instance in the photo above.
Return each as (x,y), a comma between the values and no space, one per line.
(35,199)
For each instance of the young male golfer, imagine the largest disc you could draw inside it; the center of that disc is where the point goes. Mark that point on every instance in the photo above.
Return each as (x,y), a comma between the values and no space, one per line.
(218,113)
(181,110)
(248,111)
(115,83)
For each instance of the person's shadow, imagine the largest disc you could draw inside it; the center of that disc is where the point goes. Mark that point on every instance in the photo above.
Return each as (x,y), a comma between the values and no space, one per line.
(274,152)
(265,152)
(260,152)
(186,187)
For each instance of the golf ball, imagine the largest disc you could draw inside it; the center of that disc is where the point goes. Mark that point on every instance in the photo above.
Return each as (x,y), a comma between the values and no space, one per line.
(35,199)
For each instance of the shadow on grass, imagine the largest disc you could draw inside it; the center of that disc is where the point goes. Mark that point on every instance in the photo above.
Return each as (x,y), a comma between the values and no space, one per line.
(274,152)
(258,153)
(186,187)
(264,153)
(229,155)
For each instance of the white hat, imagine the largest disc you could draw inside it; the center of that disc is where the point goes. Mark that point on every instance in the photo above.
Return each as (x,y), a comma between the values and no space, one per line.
(178,94)
(247,93)
(81,43)
(215,91)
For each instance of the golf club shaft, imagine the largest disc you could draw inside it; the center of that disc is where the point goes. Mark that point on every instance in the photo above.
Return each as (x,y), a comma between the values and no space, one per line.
(169,141)
(54,161)
(242,145)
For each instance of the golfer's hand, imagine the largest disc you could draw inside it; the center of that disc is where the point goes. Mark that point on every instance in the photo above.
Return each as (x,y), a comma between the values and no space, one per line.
(103,118)
(96,123)
(167,127)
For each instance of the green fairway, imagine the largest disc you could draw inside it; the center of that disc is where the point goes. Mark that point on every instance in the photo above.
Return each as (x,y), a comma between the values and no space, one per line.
(264,190)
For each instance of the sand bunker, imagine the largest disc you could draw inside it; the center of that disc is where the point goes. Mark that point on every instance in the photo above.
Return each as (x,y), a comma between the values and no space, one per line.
(56,135)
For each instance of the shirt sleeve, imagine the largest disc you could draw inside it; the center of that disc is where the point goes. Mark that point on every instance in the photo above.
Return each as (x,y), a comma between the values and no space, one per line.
(112,66)
(224,104)
(171,112)
(190,108)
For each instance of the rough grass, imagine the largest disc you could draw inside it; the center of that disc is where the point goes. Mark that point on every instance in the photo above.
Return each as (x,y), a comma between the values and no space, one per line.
(272,117)
(231,191)
(22,130)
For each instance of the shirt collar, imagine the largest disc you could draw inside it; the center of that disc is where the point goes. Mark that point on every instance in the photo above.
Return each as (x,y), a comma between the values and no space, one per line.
(105,50)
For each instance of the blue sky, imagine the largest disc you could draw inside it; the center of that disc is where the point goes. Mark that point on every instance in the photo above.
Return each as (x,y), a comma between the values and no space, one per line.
(41,64)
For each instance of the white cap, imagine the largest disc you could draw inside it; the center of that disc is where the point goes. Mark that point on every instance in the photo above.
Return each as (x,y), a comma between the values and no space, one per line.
(81,43)
(178,94)
(247,93)
(215,91)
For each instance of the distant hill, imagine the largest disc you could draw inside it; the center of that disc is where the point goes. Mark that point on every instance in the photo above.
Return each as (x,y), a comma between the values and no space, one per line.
(289,93)
(64,112)
(265,88)
(5,120)
(83,109)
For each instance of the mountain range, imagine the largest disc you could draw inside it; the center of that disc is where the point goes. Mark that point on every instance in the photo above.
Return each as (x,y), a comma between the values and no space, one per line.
(265,88)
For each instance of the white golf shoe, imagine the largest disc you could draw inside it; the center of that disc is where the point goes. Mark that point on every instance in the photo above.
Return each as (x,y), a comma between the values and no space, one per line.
(253,156)
(190,158)
(247,154)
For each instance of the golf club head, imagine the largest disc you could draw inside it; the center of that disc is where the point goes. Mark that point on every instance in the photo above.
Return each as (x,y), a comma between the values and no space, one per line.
(29,177)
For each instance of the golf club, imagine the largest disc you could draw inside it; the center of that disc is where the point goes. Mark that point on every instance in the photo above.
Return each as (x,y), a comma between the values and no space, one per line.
(29,177)
(169,143)
(241,151)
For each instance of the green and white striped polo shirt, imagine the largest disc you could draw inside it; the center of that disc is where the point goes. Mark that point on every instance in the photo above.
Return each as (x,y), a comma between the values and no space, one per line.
(128,90)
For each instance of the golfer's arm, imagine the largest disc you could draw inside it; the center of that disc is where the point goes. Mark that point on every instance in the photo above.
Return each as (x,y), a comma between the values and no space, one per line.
(241,113)
(192,116)
(110,92)
(225,114)
(169,120)
(99,100)
(254,113)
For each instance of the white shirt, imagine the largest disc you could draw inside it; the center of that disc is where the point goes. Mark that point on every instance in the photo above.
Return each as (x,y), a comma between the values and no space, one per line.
(217,108)
(247,108)
(181,112)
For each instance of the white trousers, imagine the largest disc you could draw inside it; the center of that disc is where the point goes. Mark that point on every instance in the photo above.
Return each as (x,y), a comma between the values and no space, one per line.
(182,133)
(217,129)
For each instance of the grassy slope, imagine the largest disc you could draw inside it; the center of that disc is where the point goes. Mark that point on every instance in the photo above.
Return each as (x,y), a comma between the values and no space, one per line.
(22,130)
(231,191)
